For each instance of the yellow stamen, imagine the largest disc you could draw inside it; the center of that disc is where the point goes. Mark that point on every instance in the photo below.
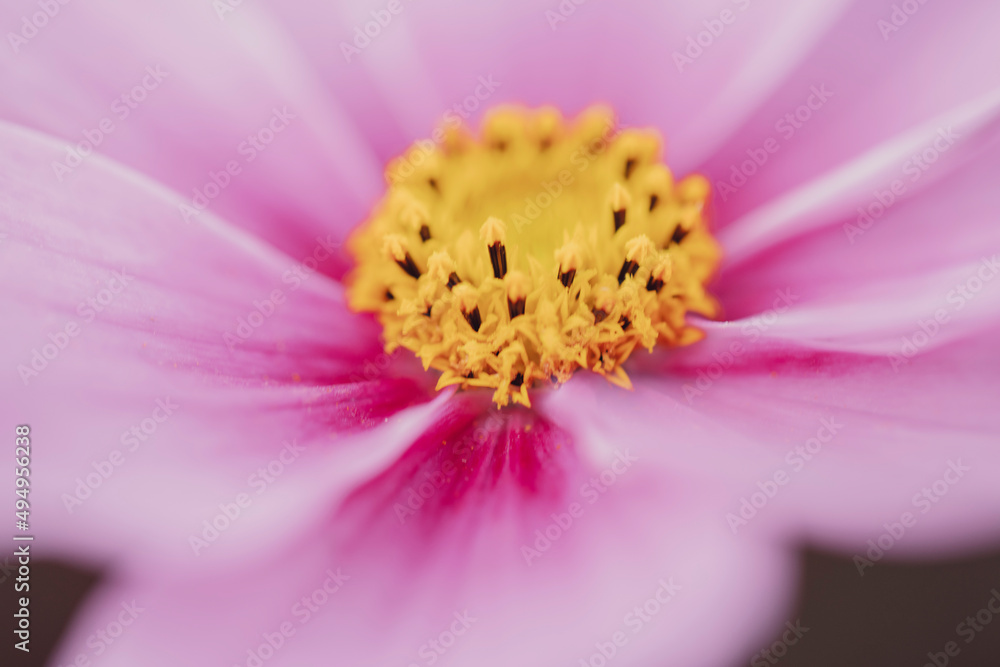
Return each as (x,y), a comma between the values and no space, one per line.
(441,267)
(394,245)
(493,231)
(639,248)
(518,286)
(568,260)
(498,263)
(620,200)
(660,274)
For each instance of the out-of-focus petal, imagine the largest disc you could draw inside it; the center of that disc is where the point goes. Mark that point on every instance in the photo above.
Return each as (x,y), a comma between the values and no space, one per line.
(445,558)
(879,69)
(460,57)
(219,106)
(829,445)
(866,284)
(178,358)
(890,173)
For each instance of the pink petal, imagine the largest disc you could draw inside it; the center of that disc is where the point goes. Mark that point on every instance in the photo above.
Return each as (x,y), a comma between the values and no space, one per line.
(866,284)
(210,83)
(419,66)
(875,433)
(949,142)
(462,554)
(873,84)
(128,327)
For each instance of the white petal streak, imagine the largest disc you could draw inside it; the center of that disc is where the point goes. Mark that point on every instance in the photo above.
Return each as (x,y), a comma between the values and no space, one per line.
(756,79)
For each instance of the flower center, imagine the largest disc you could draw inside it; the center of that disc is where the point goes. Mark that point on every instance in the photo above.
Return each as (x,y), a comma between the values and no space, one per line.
(511,260)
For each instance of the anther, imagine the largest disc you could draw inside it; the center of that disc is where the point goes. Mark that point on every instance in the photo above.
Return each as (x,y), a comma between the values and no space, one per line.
(415,215)
(679,234)
(629,166)
(568,259)
(636,250)
(494,232)
(548,122)
(658,180)
(694,188)
(660,273)
(604,301)
(441,268)
(502,127)
(628,269)
(395,247)
(467,296)
(585,318)
(517,293)
(620,200)
(638,147)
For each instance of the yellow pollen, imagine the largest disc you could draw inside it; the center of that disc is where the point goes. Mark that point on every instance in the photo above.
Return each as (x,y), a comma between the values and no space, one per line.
(518,285)
(513,259)
(639,248)
(605,298)
(466,296)
(493,231)
(440,266)
(414,216)
(568,256)
(662,268)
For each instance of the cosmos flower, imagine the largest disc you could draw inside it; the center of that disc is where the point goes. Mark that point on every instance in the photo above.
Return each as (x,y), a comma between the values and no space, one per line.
(275,469)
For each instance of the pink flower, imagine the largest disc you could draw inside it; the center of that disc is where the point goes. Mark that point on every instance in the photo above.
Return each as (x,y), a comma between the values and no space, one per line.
(212,424)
